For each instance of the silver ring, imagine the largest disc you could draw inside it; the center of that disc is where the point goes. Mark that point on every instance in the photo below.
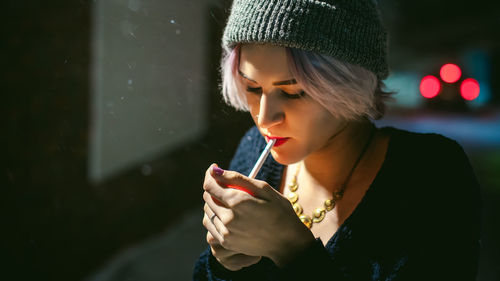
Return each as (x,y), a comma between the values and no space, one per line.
(212,218)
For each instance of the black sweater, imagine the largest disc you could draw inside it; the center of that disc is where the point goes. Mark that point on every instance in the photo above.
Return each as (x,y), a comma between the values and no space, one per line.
(419,220)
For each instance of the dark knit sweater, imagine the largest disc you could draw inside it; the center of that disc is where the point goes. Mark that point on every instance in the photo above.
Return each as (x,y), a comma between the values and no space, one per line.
(419,220)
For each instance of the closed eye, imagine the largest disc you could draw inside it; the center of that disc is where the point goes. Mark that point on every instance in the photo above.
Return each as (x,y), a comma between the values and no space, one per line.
(258,91)
(255,90)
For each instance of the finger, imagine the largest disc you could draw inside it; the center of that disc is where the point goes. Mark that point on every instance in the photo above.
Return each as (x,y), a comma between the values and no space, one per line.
(237,181)
(217,248)
(216,221)
(212,240)
(220,193)
(219,210)
(221,252)
(211,228)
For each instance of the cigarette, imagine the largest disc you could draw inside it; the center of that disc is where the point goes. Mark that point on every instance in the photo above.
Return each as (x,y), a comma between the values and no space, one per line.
(261,159)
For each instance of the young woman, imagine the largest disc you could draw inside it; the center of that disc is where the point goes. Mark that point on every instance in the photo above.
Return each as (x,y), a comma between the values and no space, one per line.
(339,199)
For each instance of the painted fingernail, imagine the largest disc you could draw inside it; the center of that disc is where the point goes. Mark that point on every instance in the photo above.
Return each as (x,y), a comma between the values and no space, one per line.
(217,170)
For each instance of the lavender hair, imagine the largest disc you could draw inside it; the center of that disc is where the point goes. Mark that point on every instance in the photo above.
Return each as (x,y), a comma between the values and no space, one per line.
(347,91)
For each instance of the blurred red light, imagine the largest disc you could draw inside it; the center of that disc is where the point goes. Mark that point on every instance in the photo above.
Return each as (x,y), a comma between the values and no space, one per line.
(430,86)
(469,89)
(242,189)
(450,73)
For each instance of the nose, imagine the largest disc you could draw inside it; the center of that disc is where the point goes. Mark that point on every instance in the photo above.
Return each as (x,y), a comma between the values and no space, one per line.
(270,111)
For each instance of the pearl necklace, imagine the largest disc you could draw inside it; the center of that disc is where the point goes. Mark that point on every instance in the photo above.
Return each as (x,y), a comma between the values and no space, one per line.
(319,213)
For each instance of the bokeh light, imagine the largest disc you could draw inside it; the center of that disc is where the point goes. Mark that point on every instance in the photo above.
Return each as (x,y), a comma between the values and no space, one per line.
(450,73)
(430,86)
(469,89)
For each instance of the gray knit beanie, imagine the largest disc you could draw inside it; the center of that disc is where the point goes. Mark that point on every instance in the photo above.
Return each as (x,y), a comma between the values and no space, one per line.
(348,30)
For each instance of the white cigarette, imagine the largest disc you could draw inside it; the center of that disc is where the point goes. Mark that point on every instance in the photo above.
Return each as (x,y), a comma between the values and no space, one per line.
(261,159)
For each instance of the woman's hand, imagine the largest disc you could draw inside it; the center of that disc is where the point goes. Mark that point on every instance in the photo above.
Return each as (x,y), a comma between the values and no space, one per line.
(229,259)
(260,225)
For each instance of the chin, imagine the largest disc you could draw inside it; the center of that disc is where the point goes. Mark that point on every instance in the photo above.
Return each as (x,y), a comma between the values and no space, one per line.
(284,158)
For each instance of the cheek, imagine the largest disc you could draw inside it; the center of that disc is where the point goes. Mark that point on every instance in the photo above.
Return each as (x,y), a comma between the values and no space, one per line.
(252,100)
(253,105)
(310,127)
(309,118)
(327,122)
(317,126)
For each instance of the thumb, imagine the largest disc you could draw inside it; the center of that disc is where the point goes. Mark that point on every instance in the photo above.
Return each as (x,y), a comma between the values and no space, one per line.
(233,179)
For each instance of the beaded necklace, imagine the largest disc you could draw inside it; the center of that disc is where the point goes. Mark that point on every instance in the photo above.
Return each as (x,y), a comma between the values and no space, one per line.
(319,213)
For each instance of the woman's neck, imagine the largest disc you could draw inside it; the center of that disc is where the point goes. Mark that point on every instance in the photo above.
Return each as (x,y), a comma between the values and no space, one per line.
(330,166)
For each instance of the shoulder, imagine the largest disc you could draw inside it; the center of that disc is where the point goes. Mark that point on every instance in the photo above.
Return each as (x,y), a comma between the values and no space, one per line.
(433,181)
(414,138)
(430,148)
(431,166)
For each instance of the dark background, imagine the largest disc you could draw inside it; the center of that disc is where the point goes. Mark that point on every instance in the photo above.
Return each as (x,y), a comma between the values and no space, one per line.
(56,225)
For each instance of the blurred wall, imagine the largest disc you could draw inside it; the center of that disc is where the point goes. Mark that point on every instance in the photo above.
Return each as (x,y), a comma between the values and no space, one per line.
(58,224)
(148,85)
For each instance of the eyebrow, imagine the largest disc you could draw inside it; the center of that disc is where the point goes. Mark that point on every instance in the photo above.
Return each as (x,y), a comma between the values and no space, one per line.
(279,83)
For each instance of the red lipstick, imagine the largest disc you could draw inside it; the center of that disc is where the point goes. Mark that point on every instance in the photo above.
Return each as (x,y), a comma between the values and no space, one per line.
(279,141)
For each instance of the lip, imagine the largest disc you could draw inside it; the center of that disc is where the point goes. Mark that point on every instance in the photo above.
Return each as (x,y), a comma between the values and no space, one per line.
(279,140)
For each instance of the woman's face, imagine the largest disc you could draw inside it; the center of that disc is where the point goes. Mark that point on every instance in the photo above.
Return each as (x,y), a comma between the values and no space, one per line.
(280,108)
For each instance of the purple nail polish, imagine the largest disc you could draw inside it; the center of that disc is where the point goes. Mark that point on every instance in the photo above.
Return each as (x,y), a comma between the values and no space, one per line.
(218,170)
